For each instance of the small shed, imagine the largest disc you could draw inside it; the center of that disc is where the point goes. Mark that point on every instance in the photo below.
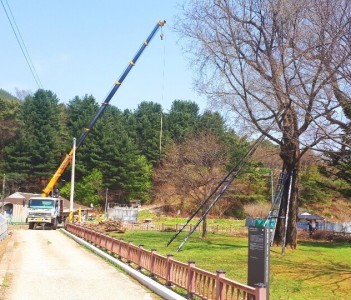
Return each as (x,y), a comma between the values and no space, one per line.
(304,219)
(16,206)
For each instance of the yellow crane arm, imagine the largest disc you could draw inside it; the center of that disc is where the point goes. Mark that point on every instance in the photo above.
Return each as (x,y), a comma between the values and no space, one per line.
(50,186)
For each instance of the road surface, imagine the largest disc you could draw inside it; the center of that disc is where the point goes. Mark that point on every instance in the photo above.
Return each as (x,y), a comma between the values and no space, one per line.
(46,264)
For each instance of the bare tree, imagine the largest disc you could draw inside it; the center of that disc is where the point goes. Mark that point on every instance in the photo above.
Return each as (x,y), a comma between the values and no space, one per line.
(192,169)
(22,94)
(274,61)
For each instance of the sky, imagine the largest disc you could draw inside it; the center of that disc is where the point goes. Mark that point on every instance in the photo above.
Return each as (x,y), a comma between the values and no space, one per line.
(82,47)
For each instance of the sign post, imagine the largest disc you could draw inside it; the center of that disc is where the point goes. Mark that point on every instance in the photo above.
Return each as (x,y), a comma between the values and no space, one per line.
(258,264)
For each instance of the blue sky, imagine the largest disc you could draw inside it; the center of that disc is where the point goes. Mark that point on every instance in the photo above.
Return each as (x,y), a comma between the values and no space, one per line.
(81,47)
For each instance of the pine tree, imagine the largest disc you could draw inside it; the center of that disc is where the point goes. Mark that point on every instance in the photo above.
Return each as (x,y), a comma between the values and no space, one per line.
(38,148)
(182,119)
(148,130)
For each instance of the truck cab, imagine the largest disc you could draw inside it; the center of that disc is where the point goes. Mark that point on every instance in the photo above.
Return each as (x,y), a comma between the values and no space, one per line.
(44,210)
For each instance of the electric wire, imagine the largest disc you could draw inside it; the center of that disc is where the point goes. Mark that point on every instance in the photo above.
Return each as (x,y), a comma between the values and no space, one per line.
(21,43)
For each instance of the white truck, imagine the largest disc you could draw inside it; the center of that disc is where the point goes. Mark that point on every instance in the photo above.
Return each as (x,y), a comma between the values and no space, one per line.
(45,210)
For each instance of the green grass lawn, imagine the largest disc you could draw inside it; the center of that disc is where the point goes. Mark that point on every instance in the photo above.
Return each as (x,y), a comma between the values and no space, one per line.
(316,270)
(156,219)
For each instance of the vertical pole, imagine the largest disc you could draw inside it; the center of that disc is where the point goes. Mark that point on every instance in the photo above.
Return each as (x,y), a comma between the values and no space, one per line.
(272,187)
(191,280)
(106,194)
(72,181)
(79,214)
(287,212)
(169,276)
(3,193)
(219,284)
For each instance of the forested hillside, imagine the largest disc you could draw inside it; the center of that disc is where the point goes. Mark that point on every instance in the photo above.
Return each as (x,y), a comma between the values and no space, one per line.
(172,158)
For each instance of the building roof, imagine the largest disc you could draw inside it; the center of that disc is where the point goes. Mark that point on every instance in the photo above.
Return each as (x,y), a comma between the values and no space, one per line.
(19,197)
(308,216)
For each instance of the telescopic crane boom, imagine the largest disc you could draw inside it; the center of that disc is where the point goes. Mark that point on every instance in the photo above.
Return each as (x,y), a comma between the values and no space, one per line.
(68,158)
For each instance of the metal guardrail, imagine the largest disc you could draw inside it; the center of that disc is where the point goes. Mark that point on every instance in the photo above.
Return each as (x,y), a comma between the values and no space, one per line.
(3,227)
(197,282)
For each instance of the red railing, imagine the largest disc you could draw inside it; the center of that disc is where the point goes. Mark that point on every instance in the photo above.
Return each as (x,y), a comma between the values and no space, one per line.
(195,281)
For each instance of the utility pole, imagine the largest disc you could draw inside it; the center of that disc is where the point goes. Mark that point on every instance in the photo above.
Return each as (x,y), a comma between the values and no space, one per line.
(3,193)
(72,181)
(106,196)
(272,187)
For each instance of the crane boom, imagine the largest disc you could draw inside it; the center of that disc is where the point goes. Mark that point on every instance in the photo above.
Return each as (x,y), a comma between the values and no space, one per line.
(68,158)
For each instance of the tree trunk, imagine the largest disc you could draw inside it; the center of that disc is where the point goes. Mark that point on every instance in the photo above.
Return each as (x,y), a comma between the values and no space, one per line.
(290,155)
(204,228)
(287,227)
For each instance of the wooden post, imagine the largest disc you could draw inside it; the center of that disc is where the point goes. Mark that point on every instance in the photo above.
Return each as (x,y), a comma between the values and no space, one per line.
(191,280)
(113,246)
(141,247)
(169,276)
(120,249)
(261,293)
(219,285)
(128,251)
(153,252)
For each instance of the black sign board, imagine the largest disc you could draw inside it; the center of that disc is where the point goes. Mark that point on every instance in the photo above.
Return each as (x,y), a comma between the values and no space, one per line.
(258,266)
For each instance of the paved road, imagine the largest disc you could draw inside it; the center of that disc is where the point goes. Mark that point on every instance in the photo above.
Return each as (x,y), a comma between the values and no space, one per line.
(46,264)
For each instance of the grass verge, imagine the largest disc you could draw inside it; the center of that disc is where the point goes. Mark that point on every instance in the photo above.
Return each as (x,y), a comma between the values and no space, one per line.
(316,270)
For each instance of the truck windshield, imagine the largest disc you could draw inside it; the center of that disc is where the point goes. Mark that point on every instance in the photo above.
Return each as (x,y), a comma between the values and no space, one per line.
(41,203)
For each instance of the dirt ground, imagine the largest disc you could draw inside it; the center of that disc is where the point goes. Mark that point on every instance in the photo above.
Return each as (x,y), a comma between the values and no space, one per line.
(4,282)
(46,264)
(3,245)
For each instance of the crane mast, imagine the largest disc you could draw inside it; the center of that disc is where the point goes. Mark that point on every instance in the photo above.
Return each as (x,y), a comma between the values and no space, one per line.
(68,158)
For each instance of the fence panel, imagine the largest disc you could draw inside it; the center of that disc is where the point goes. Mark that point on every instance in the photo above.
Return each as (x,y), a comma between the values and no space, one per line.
(180,273)
(3,227)
(125,214)
(195,281)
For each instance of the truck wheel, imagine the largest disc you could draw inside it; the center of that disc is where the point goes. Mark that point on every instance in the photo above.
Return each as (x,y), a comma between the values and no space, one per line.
(54,224)
(31,226)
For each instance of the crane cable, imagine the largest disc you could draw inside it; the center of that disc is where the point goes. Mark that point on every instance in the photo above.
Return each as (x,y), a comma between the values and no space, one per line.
(162,36)
(21,43)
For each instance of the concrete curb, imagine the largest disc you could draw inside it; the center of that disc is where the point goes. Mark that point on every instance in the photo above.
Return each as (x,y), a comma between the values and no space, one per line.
(157,288)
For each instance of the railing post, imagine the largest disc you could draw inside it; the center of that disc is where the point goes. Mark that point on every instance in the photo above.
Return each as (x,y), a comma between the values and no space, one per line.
(141,247)
(113,246)
(191,280)
(128,251)
(152,264)
(120,249)
(169,275)
(261,293)
(219,284)
(99,240)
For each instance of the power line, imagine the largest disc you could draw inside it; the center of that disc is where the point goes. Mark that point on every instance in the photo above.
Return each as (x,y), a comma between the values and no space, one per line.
(21,43)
